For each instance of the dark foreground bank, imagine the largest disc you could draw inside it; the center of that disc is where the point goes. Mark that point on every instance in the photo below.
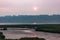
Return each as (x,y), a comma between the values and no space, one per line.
(53,28)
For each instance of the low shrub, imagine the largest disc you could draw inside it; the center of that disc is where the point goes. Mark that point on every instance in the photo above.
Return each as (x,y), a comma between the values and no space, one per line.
(2,37)
(31,38)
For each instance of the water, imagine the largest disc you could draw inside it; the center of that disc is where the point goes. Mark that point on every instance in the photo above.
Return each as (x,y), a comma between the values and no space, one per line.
(16,34)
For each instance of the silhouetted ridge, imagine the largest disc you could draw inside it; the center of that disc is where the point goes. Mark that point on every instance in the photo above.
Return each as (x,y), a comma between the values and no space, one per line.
(31,19)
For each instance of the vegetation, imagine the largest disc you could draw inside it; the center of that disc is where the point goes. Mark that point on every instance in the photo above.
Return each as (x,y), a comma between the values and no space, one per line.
(54,28)
(49,28)
(26,38)
(32,38)
(2,37)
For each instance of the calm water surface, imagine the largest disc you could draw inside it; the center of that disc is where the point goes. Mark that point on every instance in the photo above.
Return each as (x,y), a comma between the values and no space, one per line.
(16,34)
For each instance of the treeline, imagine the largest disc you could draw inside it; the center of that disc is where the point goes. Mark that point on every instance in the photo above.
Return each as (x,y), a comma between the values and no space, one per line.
(30,19)
(54,28)
(49,28)
(30,26)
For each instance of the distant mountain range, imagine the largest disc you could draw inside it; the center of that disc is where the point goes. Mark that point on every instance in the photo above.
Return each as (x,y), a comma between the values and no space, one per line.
(31,19)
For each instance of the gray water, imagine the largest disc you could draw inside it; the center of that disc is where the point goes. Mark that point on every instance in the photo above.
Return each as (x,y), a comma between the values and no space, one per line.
(16,34)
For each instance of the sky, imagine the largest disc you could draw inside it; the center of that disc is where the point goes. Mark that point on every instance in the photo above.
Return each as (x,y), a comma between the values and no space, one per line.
(29,7)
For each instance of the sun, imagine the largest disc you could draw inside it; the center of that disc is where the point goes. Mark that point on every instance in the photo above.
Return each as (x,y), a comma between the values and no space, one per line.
(35,8)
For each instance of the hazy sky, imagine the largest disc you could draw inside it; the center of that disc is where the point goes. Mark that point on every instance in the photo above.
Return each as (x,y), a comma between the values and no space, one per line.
(29,7)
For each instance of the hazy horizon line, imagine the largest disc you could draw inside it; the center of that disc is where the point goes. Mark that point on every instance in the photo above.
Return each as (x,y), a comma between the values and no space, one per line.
(25,23)
(32,15)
